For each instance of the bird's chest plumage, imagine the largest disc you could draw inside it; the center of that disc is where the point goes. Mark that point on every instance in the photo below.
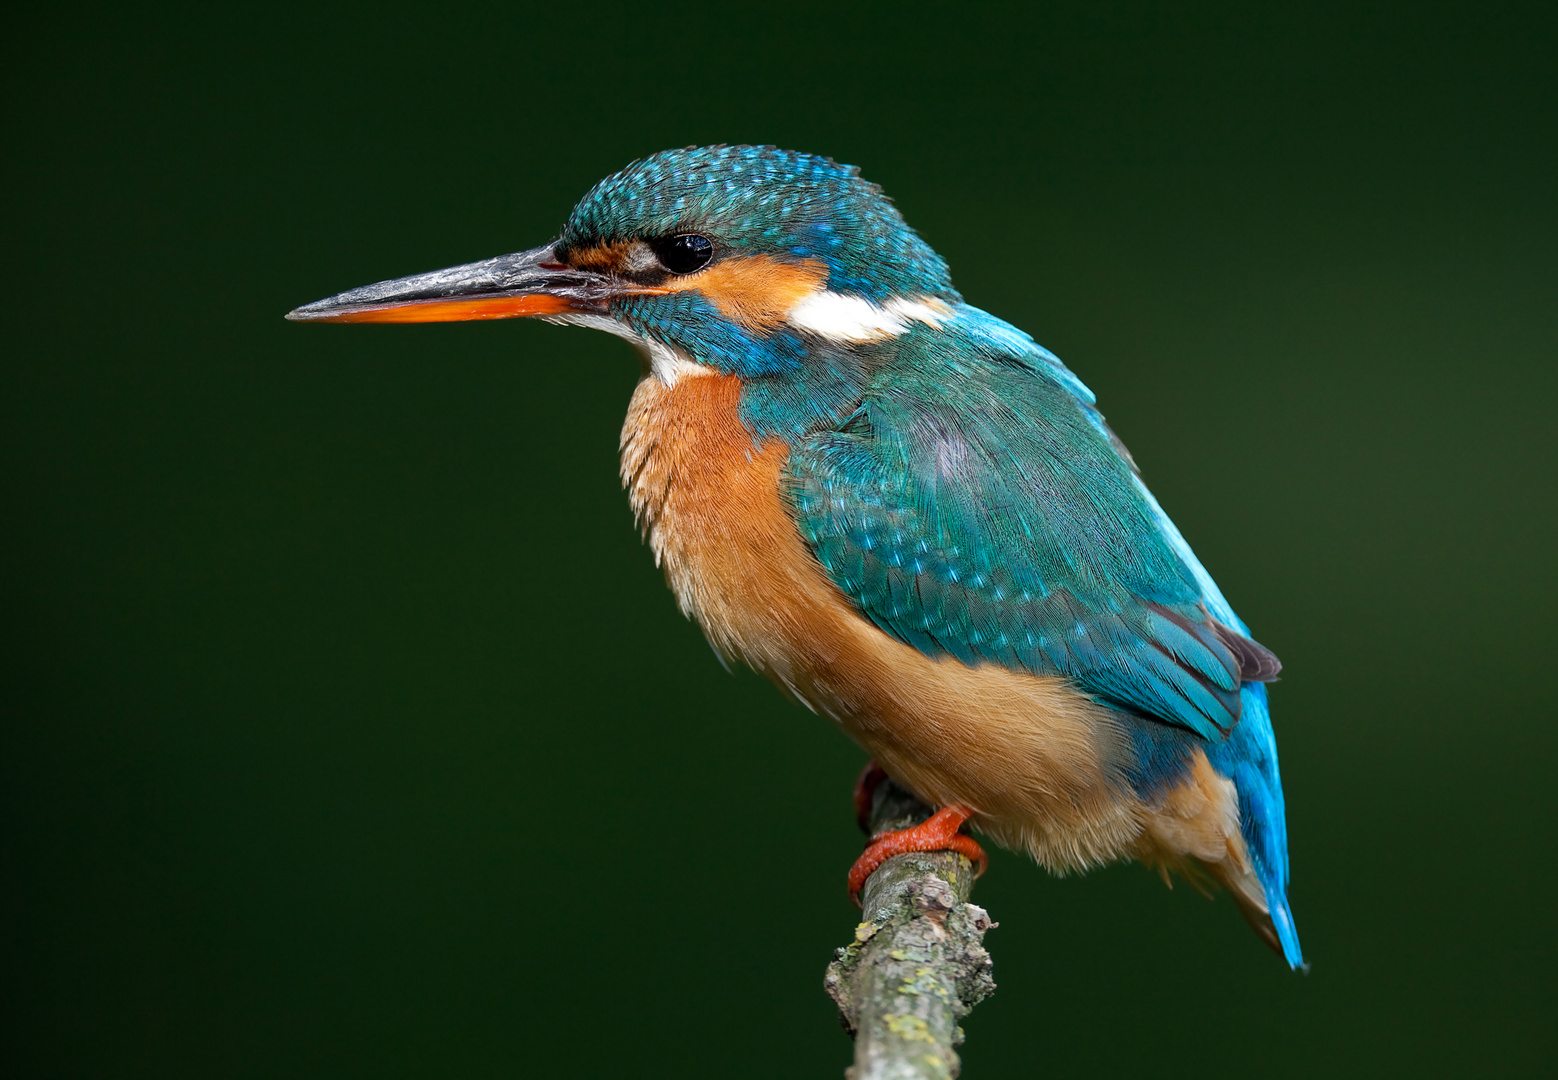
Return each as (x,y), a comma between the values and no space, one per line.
(707,498)
(1030,754)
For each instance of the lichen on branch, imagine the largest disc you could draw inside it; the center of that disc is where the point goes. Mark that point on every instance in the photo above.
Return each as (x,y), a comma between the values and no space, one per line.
(918,962)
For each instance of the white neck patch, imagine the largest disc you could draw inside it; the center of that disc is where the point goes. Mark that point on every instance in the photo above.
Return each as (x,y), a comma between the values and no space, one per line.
(855,320)
(836,317)
(666,362)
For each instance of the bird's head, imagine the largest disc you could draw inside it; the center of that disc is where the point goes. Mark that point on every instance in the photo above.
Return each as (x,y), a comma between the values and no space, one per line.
(755,261)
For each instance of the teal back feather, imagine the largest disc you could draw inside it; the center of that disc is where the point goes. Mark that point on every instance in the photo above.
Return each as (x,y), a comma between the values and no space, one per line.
(974,505)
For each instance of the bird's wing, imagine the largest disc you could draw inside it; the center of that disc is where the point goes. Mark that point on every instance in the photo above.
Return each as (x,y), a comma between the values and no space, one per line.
(976,505)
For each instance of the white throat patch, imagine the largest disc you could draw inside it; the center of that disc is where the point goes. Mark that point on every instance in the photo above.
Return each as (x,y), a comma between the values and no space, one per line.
(666,362)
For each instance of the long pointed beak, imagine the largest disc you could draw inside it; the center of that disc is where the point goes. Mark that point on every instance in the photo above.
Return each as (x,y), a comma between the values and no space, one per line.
(510,286)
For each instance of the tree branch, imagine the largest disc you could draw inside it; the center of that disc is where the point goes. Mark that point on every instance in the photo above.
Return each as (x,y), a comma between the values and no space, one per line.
(917,964)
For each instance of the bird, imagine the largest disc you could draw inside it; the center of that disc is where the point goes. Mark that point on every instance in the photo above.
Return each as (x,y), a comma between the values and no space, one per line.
(909,515)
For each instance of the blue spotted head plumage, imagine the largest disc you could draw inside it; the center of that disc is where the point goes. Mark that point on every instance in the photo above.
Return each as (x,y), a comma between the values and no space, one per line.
(760,200)
(782,268)
(757,262)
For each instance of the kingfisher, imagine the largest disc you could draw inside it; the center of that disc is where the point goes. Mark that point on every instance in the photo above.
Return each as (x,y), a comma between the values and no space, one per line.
(907,514)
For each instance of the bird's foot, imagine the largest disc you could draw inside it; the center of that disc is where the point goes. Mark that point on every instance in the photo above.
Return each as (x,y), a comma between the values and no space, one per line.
(939,832)
(869,780)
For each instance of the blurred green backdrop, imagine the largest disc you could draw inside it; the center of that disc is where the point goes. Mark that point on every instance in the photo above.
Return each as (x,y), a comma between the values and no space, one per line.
(348,729)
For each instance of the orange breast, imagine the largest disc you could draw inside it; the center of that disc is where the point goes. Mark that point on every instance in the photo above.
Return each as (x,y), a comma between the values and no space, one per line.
(1028,754)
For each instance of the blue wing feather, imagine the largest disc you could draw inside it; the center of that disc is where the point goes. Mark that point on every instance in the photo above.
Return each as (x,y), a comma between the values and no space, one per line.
(976,505)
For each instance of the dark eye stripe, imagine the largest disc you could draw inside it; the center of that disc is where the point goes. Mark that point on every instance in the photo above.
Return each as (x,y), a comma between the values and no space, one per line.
(683,254)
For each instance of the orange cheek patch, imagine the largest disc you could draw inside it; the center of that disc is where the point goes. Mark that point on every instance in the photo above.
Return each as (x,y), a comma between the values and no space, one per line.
(756,292)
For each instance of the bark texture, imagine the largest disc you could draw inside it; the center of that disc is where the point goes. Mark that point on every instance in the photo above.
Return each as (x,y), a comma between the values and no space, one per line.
(917,964)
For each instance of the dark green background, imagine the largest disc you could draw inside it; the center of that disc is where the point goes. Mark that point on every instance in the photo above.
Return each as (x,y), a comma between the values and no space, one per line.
(348,729)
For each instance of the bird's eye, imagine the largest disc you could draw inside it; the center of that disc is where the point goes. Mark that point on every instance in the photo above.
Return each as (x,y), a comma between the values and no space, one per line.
(684,254)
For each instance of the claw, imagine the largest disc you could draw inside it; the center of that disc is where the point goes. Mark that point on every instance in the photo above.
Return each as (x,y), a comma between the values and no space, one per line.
(939,832)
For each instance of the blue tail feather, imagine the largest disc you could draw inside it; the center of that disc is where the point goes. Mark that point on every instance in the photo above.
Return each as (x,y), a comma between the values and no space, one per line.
(1249,758)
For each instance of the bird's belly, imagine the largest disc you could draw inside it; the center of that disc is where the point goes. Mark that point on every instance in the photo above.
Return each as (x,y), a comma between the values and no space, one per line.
(1033,757)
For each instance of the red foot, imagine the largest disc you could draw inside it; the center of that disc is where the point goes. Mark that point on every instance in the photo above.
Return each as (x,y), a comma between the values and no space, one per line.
(939,832)
(866,784)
